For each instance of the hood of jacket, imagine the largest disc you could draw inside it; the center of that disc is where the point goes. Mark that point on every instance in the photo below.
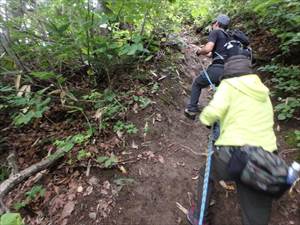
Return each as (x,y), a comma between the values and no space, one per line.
(250,85)
(237,65)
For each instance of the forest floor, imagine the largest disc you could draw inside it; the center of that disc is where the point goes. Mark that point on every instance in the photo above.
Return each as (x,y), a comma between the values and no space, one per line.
(160,169)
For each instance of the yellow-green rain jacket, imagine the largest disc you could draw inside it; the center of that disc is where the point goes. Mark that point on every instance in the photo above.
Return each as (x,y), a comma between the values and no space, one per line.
(243,107)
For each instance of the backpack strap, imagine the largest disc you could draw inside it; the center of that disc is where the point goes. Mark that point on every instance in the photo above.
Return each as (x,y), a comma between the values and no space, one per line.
(219,56)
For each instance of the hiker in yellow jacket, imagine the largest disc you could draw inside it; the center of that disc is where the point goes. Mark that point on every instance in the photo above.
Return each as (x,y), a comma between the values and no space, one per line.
(242,106)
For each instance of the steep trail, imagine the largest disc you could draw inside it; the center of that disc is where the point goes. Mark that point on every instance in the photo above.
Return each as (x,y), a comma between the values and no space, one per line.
(171,156)
(179,146)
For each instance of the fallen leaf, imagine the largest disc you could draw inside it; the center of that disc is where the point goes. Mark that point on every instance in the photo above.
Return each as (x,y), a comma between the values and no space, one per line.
(158,117)
(93,215)
(180,164)
(68,209)
(64,222)
(47,197)
(123,170)
(161,159)
(126,153)
(18,82)
(73,185)
(93,181)
(119,134)
(71,196)
(56,203)
(25,89)
(104,191)
(153,73)
(98,114)
(150,154)
(195,178)
(140,92)
(134,146)
(162,77)
(56,189)
(63,97)
(278,128)
(153,121)
(106,185)
(146,129)
(135,108)
(88,191)
(227,187)
(103,207)
(181,208)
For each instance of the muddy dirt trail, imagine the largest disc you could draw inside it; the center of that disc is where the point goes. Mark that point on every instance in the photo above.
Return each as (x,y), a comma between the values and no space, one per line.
(167,179)
(170,157)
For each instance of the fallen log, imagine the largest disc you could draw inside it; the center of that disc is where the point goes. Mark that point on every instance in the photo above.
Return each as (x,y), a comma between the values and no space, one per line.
(17,178)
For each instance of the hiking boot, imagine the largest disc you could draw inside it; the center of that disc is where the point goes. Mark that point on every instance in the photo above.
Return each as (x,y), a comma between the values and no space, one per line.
(189,114)
(192,218)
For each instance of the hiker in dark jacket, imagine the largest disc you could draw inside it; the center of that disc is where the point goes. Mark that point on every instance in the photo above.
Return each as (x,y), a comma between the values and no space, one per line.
(243,108)
(215,46)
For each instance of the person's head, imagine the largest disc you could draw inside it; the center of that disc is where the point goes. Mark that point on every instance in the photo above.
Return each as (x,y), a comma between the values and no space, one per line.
(221,21)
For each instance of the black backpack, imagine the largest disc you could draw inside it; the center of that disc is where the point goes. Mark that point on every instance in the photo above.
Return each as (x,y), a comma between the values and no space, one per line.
(237,44)
(240,36)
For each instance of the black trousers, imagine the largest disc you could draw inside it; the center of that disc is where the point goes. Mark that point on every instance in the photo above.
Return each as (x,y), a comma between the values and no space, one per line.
(215,71)
(255,206)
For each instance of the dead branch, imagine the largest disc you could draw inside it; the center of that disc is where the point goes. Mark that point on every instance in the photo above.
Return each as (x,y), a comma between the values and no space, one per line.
(15,179)
(293,186)
(181,208)
(192,151)
(287,151)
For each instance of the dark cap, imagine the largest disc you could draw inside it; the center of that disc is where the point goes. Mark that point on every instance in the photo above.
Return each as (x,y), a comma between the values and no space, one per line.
(223,19)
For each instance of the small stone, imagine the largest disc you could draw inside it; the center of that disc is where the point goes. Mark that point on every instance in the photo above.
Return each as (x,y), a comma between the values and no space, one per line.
(93,181)
(76,174)
(88,191)
(92,215)
(79,189)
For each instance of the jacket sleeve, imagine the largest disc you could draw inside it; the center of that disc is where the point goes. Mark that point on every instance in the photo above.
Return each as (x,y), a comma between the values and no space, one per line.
(218,106)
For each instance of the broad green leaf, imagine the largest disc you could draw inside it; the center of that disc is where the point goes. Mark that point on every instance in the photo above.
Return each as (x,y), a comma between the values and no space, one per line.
(281,117)
(68,146)
(11,219)
(63,28)
(43,75)
(102,159)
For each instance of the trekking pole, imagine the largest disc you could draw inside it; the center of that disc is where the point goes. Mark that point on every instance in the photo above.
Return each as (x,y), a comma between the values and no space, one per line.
(213,136)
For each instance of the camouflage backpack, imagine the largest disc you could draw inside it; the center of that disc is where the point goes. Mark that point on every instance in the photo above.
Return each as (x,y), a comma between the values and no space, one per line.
(264,171)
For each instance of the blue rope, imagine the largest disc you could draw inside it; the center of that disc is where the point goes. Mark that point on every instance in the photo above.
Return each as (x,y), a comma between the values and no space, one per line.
(207,77)
(206,176)
(213,136)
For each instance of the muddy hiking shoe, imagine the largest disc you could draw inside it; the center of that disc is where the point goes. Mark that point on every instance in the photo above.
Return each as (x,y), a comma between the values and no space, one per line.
(190,115)
(192,217)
